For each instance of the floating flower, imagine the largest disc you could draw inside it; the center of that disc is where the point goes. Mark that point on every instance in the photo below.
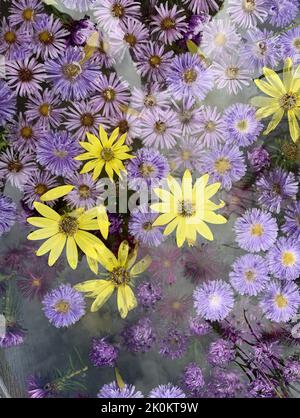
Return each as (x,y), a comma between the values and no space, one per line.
(292,225)
(169,24)
(112,390)
(218,37)
(221,352)
(8,214)
(102,353)
(167,391)
(284,259)
(139,337)
(247,13)
(193,379)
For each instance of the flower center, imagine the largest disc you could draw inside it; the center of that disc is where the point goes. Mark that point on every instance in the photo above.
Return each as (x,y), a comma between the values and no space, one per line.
(281,301)
(288,259)
(190,76)
(44,109)
(262,47)
(117,10)
(167,263)
(28,14)
(276,188)
(155,61)
(149,100)
(232,72)
(160,127)
(72,71)
(123,126)
(186,116)
(15,166)
(220,39)
(242,125)
(210,126)
(289,101)
(36,282)
(250,276)
(130,39)
(40,189)
(290,151)
(146,169)
(249,5)
(46,37)
(87,119)
(186,208)
(222,165)
(26,132)
(60,153)
(176,305)
(214,300)
(186,155)
(107,154)
(84,191)
(62,306)
(10,37)
(257,230)
(68,226)
(109,94)
(147,226)
(296,43)
(168,23)
(119,276)
(25,75)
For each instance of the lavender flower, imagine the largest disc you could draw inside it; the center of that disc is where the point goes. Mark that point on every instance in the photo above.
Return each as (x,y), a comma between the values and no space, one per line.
(149,294)
(8,213)
(174,344)
(153,97)
(35,283)
(195,26)
(153,62)
(231,73)
(187,155)
(281,12)
(13,335)
(166,391)
(141,227)
(292,221)
(103,353)
(193,379)
(24,76)
(168,23)
(139,337)
(110,13)
(262,388)
(198,327)
(63,306)
(284,259)
(7,103)
(112,390)
(16,169)
(128,124)
(39,388)
(24,13)
(290,44)
(38,184)
(80,31)
(198,6)
(24,135)
(13,42)
(247,13)
(78,5)
(291,371)
(116,223)
(210,127)
(259,158)
(221,352)
(189,116)
(86,193)
(219,37)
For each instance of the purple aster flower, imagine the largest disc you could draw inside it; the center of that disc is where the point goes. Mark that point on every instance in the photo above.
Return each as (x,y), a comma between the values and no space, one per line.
(35,283)
(128,124)
(112,390)
(86,193)
(225,164)
(221,352)
(210,127)
(25,13)
(45,108)
(63,306)
(56,152)
(291,371)
(187,155)
(102,353)
(198,6)
(38,184)
(242,128)
(149,294)
(198,327)
(284,259)
(13,335)
(49,37)
(189,116)
(139,337)
(13,42)
(219,37)
(16,169)
(80,31)
(259,158)
(281,301)
(110,13)
(169,24)
(261,49)
(193,379)
(247,13)
(148,169)
(292,221)
(160,129)
(72,78)
(213,300)
(116,223)
(7,103)
(231,73)
(249,275)
(25,135)
(281,12)
(262,388)
(153,62)
(195,26)
(290,45)
(24,76)
(38,387)
(8,213)
(78,5)
(153,97)
(103,53)
(274,187)
(174,344)
(111,94)
(225,384)
(256,231)
(166,391)
(187,77)
(265,354)
(141,227)
(83,117)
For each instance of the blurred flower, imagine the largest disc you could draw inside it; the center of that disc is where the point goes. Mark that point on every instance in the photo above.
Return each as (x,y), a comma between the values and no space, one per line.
(210,127)
(247,13)
(281,12)
(7,103)
(111,390)
(219,37)
(231,73)
(173,344)
(139,337)
(149,294)
(221,352)
(259,158)
(193,379)
(13,334)
(166,391)
(284,259)
(201,263)
(8,213)
(291,226)
(102,353)
(198,327)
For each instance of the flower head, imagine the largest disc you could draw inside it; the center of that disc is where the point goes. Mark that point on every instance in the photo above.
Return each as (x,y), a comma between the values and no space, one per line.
(221,352)
(193,379)
(112,390)
(102,353)
(284,259)
(8,214)
(166,391)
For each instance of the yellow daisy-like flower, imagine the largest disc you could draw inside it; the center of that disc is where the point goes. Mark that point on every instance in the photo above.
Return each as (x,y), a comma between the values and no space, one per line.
(121,272)
(68,230)
(284,98)
(188,208)
(105,153)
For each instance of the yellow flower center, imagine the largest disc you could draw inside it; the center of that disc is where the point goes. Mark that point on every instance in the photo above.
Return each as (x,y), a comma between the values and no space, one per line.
(109,94)
(168,23)
(249,5)
(186,208)
(242,125)
(288,259)
(149,100)
(118,10)
(28,14)
(87,119)
(130,39)
(146,169)
(10,37)
(84,191)
(289,101)
(72,71)
(281,301)
(119,276)
(296,43)
(210,126)
(68,226)
(167,263)
(176,305)
(46,37)
(40,189)
(45,109)
(222,165)
(36,282)
(160,127)
(26,132)
(107,154)
(186,155)
(232,73)
(62,306)
(257,230)
(249,276)
(155,61)
(190,76)
(220,39)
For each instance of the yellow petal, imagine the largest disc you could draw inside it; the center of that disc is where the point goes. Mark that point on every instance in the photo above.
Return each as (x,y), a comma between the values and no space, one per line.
(274,80)
(56,193)
(89,166)
(87,243)
(113,137)
(103,136)
(93,264)
(180,233)
(204,230)
(211,190)
(105,293)
(287,73)
(187,185)
(268,89)
(265,112)
(49,244)
(141,266)
(262,101)
(46,211)
(103,221)
(42,222)
(126,300)
(57,249)
(275,121)
(213,218)
(123,253)
(98,169)
(294,126)
(43,233)
(172,225)
(72,253)
(93,140)
(91,286)
(85,156)
(107,258)
(92,149)
(174,187)
(164,219)
(109,171)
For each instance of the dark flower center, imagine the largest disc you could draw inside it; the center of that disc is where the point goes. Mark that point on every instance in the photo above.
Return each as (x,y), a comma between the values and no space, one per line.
(130,39)
(109,94)
(10,37)
(84,191)
(186,208)
(68,226)
(288,101)
(249,5)
(107,154)
(45,109)
(168,23)
(26,132)
(118,10)
(72,71)
(276,188)
(25,75)
(146,169)
(87,119)
(119,276)
(232,72)
(149,100)
(147,226)
(15,166)
(290,151)
(123,126)
(190,76)
(28,14)
(262,47)
(46,37)
(155,61)
(62,306)
(160,127)
(40,189)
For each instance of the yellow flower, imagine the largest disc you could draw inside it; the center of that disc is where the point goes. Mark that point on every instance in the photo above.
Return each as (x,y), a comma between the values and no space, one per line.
(187,208)
(121,271)
(65,230)
(284,98)
(104,152)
